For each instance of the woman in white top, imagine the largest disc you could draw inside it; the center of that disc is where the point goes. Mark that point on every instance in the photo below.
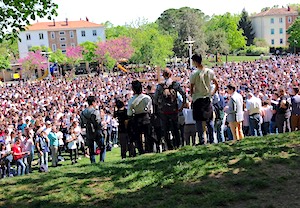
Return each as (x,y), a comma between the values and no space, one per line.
(72,145)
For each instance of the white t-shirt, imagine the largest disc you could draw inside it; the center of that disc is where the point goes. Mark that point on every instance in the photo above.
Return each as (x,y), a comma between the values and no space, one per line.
(73,144)
(188,116)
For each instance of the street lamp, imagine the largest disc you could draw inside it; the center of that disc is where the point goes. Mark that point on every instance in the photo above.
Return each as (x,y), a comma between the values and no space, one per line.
(47,55)
(190,43)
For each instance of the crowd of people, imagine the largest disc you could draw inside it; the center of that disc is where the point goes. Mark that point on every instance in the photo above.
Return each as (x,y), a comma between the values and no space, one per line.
(42,120)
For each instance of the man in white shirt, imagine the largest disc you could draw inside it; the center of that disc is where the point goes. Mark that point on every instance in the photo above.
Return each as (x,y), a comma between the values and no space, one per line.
(254,106)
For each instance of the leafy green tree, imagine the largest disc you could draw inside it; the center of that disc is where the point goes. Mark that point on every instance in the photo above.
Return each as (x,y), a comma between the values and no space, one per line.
(88,52)
(16,15)
(229,24)
(151,46)
(10,49)
(112,32)
(58,57)
(246,25)
(217,42)
(40,48)
(295,7)
(260,42)
(294,32)
(182,23)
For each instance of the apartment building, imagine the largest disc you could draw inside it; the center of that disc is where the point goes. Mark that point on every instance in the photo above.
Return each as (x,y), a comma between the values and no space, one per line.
(59,35)
(272,25)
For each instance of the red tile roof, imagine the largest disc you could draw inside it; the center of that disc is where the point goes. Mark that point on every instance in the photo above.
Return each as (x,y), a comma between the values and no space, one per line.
(275,12)
(62,25)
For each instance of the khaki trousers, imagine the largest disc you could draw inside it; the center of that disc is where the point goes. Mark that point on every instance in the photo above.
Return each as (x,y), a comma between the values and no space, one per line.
(237,130)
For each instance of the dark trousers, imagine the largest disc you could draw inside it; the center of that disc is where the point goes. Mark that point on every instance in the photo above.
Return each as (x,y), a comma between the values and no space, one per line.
(170,122)
(282,123)
(123,139)
(101,144)
(73,154)
(265,128)
(254,124)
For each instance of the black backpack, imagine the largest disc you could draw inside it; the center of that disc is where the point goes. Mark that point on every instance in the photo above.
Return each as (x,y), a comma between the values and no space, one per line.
(169,99)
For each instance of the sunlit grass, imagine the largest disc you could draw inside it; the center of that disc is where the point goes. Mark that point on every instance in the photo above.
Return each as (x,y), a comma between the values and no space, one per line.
(242,174)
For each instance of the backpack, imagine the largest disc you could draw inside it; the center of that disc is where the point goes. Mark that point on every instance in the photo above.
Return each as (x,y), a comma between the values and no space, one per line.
(169,99)
(92,129)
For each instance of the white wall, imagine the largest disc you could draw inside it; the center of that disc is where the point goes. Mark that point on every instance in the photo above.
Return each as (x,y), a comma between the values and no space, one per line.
(262,27)
(89,34)
(34,41)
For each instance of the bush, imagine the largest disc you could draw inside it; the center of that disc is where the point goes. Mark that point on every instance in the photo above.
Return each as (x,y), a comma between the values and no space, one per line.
(253,51)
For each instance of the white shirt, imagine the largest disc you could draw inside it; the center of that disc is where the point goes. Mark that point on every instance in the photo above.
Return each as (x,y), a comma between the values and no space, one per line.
(188,116)
(253,105)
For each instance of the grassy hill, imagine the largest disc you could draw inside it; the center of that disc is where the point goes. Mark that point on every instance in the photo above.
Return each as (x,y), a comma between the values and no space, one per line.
(257,172)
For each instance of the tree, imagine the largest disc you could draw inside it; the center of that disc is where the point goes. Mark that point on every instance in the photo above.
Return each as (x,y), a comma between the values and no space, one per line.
(16,15)
(182,23)
(151,45)
(112,32)
(33,61)
(246,25)
(74,56)
(114,49)
(228,23)
(88,52)
(260,42)
(217,42)
(294,32)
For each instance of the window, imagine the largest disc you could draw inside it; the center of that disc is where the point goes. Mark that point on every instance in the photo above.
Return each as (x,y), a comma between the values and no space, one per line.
(73,45)
(289,19)
(28,37)
(281,41)
(53,35)
(272,42)
(62,33)
(272,20)
(71,34)
(94,32)
(41,36)
(63,51)
(62,39)
(63,45)
(272,31)
(280,31)
(83,33)
(280,20)
(53,47)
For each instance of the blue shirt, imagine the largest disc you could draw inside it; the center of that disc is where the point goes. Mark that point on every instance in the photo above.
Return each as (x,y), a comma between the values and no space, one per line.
(53,139)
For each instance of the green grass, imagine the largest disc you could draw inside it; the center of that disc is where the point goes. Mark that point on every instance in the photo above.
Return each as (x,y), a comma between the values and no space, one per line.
(257,172)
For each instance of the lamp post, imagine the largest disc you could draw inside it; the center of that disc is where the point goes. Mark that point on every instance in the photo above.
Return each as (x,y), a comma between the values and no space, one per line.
(190,43)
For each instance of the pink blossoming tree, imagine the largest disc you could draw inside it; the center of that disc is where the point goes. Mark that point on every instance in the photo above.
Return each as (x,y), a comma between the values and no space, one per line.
(33,61)
(116,49)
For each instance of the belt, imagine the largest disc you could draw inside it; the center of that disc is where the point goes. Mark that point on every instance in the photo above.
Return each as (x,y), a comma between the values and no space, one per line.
(253,114)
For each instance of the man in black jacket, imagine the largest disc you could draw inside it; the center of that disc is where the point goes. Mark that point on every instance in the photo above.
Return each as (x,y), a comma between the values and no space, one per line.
(91,120)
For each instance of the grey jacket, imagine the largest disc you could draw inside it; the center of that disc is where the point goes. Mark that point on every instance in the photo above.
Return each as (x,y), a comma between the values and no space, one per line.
(94,115)
(235,111)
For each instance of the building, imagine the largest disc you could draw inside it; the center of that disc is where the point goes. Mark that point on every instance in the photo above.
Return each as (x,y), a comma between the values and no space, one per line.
(272,25)
(59,35)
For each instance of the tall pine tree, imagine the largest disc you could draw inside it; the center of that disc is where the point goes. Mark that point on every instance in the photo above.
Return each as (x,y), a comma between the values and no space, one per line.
(246,25)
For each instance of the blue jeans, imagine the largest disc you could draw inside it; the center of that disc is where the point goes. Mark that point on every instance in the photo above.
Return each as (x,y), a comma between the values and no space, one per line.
(210,128)
(44,159)
(20,167)
(229,134)
(254,124)
(273,127)
(219,130)
(100,143)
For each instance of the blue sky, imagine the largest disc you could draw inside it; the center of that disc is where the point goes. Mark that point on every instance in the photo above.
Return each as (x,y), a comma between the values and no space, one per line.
(120,12)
